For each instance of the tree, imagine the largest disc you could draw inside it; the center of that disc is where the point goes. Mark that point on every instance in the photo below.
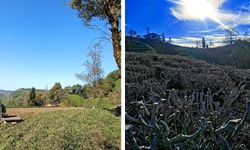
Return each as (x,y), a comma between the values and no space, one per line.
(203,43)
(32,97)
(106,10)
(41,99)
(56,93)
(94,70)
(76,89)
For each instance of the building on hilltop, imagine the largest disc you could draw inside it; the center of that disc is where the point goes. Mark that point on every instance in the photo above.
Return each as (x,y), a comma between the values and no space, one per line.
(152,36)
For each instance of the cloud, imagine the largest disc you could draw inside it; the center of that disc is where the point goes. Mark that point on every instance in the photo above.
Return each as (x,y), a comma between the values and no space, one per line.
(204,31)
(216,39)
(242,18)
(183,7)
(211,9)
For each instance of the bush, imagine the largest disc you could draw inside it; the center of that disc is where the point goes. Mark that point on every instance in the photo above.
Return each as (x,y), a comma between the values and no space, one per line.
(73,100)
(147,76)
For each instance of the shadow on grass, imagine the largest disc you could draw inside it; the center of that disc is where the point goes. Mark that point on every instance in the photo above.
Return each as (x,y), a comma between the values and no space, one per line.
(115,110)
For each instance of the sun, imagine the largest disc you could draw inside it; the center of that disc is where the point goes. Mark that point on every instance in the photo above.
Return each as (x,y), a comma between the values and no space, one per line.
(199,9)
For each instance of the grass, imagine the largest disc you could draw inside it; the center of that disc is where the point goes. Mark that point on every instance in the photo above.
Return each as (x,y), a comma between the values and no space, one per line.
(74,100)
(61,128)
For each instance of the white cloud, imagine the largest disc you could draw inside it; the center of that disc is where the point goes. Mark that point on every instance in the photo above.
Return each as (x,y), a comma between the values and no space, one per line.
(216,39)
(225,18)
(183,7)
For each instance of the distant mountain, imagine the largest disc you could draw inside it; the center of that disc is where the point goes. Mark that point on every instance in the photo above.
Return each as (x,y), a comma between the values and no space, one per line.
(237,54)
(5,92)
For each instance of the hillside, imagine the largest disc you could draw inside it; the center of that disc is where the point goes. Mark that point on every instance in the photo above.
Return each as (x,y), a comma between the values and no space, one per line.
(108,94)
(61,128)
(237,54)
(4,92)
(171,83)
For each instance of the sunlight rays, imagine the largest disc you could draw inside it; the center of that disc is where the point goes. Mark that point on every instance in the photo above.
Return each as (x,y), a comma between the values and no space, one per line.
(198,10)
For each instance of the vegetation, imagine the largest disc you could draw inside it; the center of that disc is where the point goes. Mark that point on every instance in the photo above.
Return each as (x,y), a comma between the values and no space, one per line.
(56,93)
(106,10)
(236,54)
(179,100)
(94,70)
(108,93)
(61,128)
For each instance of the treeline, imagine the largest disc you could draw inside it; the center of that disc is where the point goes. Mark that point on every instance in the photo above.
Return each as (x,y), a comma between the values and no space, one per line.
(107,93)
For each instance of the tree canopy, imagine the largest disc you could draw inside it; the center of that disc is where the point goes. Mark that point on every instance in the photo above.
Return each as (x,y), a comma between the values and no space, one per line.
(106,10)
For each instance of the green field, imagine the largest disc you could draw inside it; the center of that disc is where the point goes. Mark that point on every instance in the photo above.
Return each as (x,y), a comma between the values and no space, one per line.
(61,128)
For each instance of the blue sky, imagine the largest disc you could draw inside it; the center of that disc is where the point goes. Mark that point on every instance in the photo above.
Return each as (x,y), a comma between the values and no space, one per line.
(43,42)
(186,22)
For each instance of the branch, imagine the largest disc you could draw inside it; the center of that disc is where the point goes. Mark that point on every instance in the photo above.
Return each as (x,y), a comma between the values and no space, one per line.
(181,137)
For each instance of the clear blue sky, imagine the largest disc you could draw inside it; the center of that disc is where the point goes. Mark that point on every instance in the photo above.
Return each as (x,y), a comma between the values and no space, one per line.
(43,42)
(170,17)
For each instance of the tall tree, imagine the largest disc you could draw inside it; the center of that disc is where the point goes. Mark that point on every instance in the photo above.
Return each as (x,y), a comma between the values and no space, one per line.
(56,93)
(203,43)
(106,10)
(94,70)
(32,97)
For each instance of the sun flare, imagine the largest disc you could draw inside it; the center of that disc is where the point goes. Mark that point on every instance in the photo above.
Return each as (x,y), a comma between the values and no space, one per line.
(199,9)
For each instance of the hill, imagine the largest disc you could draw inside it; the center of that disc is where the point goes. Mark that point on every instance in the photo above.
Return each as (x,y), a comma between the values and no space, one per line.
(237,54)
(61,128)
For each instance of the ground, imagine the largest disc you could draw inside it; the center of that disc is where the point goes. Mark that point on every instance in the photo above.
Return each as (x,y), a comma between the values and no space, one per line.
(61,128)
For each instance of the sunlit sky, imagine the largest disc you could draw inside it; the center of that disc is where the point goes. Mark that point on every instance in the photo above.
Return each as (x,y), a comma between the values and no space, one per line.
(43,42)
(187,21)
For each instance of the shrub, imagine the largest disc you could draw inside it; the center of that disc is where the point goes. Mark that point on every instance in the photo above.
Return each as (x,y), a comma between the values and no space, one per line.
(73,100)
(146,76)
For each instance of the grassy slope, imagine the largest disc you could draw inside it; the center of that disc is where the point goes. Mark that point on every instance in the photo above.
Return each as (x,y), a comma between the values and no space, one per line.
(62,128)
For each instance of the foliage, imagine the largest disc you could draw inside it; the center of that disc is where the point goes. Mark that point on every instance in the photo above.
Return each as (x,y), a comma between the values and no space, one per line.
(147,74)
(75,89)
(62,128)
(73,100)
(190,122)
(94,70)
(32,97)
(109,11)
(108,88)
(56,93)
(41,99)
(101,103)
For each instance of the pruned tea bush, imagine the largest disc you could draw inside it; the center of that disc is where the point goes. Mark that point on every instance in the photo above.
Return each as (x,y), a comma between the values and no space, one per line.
(174,102)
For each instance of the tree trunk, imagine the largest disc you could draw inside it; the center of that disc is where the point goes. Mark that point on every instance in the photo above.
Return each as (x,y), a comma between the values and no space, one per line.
(116,39)
(94,95)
